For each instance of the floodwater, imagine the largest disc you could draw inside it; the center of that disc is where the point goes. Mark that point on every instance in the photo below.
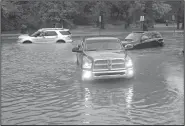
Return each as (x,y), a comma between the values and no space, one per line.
(41,85)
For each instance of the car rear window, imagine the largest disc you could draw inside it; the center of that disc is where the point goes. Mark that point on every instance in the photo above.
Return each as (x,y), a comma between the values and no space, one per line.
(153,35)
(157,35)
(65,32)
(133,37)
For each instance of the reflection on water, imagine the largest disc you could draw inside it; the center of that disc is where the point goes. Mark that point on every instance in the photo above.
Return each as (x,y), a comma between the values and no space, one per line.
(114,99)
(103,101)
(128,97)
(88,104)
(40,85)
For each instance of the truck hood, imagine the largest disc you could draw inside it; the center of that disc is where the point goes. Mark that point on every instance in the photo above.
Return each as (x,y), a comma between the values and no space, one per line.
(108,54)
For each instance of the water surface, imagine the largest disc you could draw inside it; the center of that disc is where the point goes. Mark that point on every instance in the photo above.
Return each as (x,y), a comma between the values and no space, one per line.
(41,85)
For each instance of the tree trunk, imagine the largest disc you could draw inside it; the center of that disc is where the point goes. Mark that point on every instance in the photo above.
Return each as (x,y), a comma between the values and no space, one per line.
(182,25)
(102,21)
(127,23)
(117,15)
(178,17)
(178,24)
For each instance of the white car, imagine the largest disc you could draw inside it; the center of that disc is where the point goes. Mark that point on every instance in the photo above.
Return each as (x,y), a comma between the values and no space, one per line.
(47,35)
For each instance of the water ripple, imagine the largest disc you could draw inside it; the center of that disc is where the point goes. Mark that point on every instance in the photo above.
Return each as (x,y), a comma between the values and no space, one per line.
(41,85)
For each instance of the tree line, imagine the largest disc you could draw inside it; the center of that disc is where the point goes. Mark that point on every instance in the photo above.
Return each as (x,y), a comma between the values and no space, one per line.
(41,13)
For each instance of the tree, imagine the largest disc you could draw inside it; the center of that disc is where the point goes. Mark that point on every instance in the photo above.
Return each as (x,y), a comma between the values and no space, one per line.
(178,10)
(160,9)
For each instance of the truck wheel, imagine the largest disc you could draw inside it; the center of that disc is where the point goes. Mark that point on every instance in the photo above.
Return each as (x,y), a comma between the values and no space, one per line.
(61,41)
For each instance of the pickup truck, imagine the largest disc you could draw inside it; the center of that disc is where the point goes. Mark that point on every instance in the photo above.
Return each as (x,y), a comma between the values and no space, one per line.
(103,58)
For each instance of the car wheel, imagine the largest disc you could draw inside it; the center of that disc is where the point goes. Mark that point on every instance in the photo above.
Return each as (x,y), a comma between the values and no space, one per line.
(61,41)
(161,44)
(27,42)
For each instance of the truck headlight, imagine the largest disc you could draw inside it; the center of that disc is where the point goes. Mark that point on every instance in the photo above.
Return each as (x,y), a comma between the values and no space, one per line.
(86,75)
(128,63)
(87,63)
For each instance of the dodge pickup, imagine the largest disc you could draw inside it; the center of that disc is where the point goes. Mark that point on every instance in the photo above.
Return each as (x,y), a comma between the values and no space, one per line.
(103,58)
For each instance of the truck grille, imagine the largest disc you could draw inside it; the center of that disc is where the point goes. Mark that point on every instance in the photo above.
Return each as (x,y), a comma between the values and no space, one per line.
(112,64)
(115,73)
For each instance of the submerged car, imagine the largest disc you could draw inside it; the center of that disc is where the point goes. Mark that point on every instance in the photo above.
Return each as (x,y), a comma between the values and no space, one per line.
(143,39)
(47,35)
(103,58)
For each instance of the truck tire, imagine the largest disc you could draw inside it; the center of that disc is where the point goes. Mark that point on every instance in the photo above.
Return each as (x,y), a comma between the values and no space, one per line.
(61,41)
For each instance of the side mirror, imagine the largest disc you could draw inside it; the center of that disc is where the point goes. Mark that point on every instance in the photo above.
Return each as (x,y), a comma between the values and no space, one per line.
(128,46)
(76,49)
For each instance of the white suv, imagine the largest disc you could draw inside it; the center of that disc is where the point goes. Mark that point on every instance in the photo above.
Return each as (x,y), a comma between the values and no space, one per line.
(47,35)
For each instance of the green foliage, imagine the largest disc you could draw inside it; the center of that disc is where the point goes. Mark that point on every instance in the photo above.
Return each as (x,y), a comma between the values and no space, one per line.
(160,9)
(36,14)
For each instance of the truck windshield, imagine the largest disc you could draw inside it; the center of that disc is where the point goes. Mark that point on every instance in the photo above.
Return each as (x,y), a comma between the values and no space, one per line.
(108,44)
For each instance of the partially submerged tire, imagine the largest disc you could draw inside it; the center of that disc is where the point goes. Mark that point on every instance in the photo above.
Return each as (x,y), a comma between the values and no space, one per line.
(27,42)
(161,44)
(61,41)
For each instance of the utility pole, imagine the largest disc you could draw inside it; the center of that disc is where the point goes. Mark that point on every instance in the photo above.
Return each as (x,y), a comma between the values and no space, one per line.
(173,19)
(101,14)
(102,19)
(142,22)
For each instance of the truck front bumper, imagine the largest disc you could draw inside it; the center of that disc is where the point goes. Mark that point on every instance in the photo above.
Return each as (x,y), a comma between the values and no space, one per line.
(93,75)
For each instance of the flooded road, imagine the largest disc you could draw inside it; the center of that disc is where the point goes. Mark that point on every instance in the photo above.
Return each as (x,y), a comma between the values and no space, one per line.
(41,85)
